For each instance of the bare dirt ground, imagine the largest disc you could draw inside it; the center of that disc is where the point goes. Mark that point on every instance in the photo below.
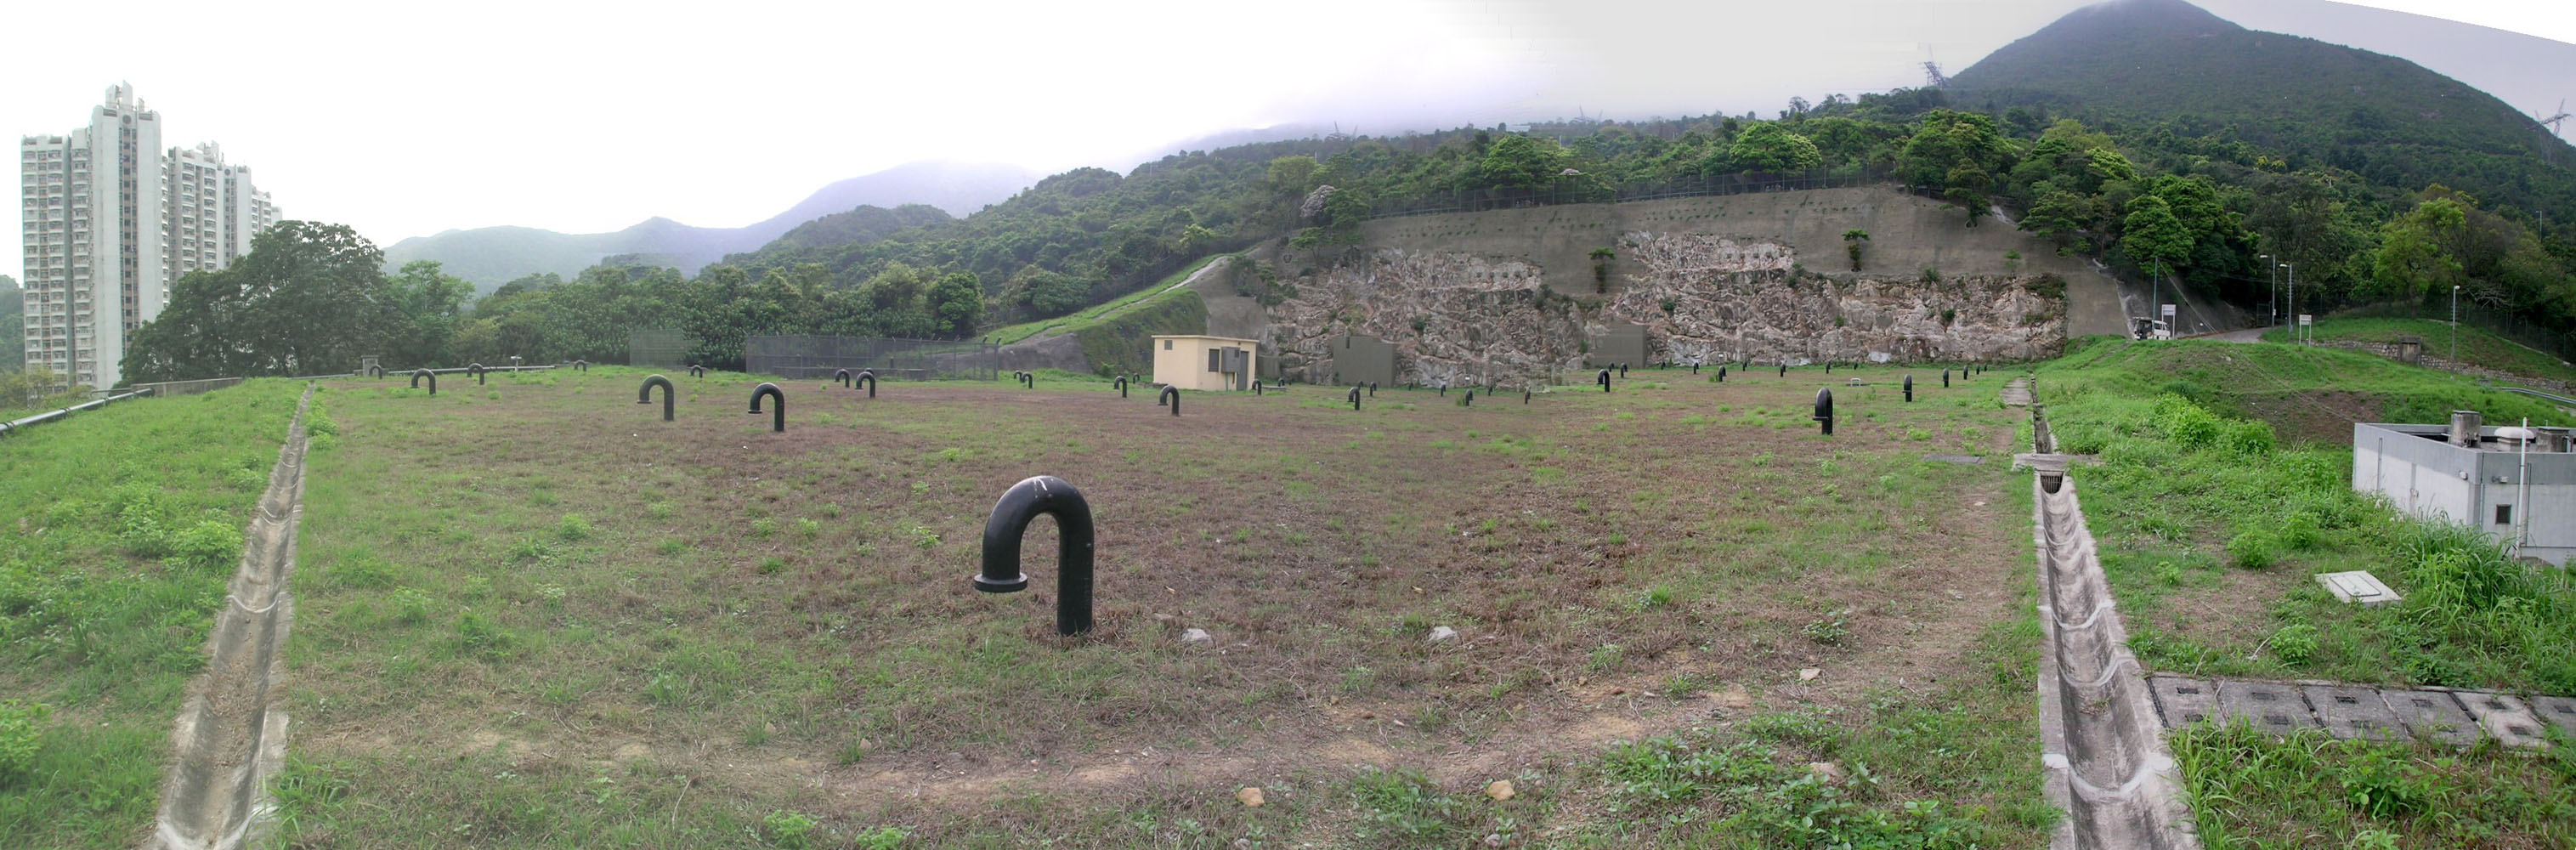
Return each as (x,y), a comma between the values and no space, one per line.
(790,613)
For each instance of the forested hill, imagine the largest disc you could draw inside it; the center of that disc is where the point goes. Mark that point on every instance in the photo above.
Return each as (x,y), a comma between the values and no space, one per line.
(2387,119)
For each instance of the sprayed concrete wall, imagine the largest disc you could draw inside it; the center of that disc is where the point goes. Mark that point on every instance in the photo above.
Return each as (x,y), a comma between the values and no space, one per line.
(1518,296)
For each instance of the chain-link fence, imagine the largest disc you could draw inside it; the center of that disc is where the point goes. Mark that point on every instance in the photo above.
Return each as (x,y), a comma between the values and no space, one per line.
(2557,342)
(892,359)
(1576,191)
(663,347)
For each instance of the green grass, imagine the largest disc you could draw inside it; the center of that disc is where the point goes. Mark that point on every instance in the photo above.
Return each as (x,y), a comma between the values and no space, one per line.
(2476,345)
(124,526)
(492,665)
(2248,789)
(1093,315)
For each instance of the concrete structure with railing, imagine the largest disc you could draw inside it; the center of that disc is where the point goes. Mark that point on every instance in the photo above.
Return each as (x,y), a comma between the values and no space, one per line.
(2516,484)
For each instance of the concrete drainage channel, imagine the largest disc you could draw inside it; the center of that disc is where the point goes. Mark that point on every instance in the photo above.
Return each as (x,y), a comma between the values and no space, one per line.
(227,742)
(2107,764)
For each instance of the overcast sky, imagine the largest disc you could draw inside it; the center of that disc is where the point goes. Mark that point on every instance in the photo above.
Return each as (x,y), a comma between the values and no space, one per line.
(408,119)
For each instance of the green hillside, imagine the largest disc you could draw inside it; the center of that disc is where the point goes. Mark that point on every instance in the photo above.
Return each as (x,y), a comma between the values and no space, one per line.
(2315,104)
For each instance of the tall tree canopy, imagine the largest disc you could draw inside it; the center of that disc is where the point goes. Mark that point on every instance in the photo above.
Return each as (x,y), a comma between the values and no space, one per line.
(308,298)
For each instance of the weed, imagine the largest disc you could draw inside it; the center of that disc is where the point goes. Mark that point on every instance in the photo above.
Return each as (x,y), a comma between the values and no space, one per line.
(573,528)
(1831,629)
(21,728)
(2295,643)
(764,528)
(1402,806)
(771,565)
(924,537)
(787,830)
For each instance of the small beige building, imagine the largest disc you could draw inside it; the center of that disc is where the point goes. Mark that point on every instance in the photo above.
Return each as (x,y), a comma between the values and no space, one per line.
(1208,363)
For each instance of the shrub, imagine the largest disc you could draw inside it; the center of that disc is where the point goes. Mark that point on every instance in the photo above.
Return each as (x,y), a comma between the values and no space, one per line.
(2249,437)
(2301,531)
(207,545)
(2187,423)
(573,528)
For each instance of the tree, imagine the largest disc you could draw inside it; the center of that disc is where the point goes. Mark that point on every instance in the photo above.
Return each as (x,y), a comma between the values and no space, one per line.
(1517,161)
(956,303)
(309,297)
(1853,241)
(2153,236)
(1957,153)
(1771,148)
(431,303)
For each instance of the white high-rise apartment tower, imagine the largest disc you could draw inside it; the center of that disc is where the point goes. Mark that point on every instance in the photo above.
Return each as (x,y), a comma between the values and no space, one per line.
(111,220)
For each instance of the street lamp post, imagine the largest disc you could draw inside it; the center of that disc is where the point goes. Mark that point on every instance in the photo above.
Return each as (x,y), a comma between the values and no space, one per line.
(2455,329)
(2274,275)
(2293,304)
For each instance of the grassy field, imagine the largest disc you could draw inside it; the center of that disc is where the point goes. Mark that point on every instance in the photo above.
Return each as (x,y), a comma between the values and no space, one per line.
(1092,315)
(2476,346)
(124,525)
(2211,523)
(533,615)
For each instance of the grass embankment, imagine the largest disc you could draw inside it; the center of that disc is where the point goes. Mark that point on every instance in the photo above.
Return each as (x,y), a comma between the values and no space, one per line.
(2210,528)
(124,526)
(533,614)
(1089,316)
(2477,347)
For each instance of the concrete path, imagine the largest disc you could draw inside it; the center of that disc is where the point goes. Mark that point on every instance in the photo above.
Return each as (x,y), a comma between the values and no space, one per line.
(2449,715)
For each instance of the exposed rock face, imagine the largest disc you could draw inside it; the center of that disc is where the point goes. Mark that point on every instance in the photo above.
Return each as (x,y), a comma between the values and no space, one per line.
(1454,318)
(1734,301)
(1465,319)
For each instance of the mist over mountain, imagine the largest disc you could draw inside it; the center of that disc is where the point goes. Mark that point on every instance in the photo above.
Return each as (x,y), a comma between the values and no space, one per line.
(490,256)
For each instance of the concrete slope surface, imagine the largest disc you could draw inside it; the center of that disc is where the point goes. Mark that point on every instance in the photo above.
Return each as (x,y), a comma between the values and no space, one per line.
(227,741)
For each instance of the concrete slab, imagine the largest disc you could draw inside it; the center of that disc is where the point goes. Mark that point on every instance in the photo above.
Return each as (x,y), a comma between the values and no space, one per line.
(2183,701)
(2432,714)
(1962,460)
(2273,708)
(2353,712)
(2557,711)
(2358,586)
(2504,718)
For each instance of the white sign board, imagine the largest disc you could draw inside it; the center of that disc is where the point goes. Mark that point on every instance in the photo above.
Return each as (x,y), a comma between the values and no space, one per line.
(2306,320)
(2169,314)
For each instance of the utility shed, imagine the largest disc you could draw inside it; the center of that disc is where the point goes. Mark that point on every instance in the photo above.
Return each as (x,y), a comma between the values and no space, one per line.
(1206,363)
(2516,484)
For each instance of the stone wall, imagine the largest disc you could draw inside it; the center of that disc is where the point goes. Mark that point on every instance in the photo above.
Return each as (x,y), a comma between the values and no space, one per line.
(1469,319)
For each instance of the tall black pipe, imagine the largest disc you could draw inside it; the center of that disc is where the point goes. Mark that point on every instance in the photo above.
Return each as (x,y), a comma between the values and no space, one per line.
(1372,389)
(476,370)
(1829,367)
(868,378)
(644,394)
(778,413)
(1945,377)
(1784,368)
(1256,387)
(1909,388)
(1029,380)
(1694,367)
(841,377)
(418,374)
(1173,395)
(1444,389)
(1623,371)
(1604,379)
(1122,386)
(1355,398)
(1721,374)
(1825,410)
(1525,394)
(1470,399)
(1043,494)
